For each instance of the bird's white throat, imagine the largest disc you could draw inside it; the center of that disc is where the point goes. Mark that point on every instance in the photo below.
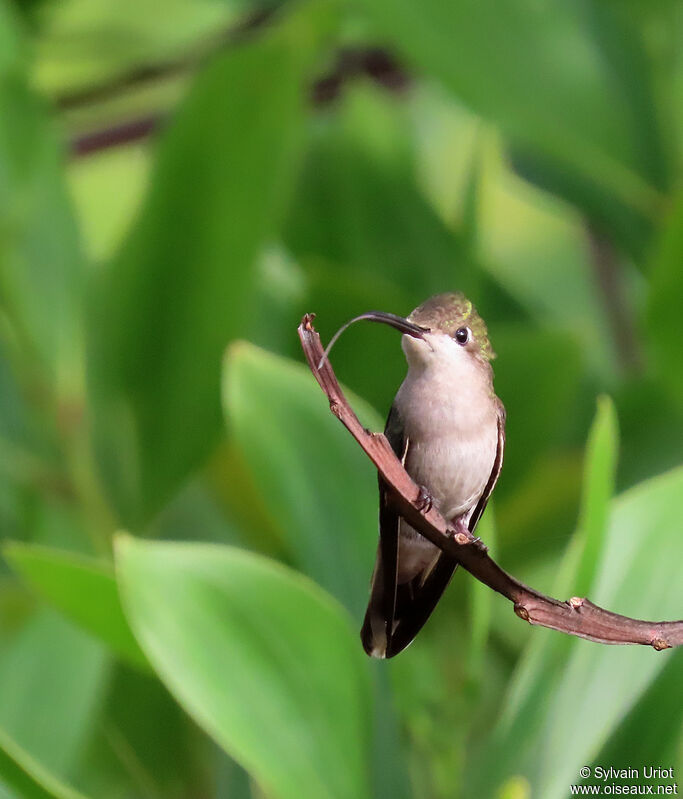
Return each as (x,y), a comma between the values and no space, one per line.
(447,390)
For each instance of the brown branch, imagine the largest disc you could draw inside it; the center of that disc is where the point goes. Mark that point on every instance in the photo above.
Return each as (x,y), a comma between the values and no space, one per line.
(115,136)
(577,616)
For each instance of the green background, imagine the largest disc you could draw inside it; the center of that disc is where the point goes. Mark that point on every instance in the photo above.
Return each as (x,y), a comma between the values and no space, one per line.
(188,533)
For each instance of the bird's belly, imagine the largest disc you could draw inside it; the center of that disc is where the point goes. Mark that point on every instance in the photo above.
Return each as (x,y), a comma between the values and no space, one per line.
(454,469)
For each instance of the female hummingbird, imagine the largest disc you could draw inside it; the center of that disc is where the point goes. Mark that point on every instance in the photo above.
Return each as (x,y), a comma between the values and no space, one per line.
(447,427)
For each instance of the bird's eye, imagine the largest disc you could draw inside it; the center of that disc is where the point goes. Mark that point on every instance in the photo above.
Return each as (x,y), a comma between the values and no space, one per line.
(462,335)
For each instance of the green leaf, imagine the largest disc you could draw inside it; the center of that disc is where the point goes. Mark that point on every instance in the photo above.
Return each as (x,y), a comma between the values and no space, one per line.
(639,67)
(20,772)
(666,300)
(144,744)
(319,489)
(480,601)
(181,286)
(534,69)
(567,703)
(537,375)
(539,670)
(365,235)
(260,657)
(41,265)
(637,740)
(541,665)
(639,576)
(640,62)
(10,45)
(359,206)
(51,680)
(84,590)
(319,486)
(581,562)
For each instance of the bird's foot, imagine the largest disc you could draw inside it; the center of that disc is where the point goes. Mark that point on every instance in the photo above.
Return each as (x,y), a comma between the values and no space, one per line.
(424,500)
(463,535)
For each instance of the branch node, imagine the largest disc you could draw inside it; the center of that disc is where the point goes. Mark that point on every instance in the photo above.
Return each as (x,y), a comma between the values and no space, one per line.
(659,644)
(522,612)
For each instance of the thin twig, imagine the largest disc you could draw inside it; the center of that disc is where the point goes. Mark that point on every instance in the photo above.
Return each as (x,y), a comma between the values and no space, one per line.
(577,616)
(115,136)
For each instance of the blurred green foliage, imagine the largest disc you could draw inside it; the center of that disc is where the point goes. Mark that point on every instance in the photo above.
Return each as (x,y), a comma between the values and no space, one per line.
(329,157)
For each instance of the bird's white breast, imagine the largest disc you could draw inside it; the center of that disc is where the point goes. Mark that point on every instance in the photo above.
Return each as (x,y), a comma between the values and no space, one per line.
(452,443)
(451,422)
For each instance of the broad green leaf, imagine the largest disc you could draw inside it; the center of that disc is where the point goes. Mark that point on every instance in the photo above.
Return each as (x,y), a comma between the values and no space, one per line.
(51,680)
(85,45)
(541,665)
(144,744)
(319,486)
(20,772)
(390,771)
(366,236)
(637,740)
(640,67)
(358,204)
(41,266)
(534,245)
(534,69)
(180,287)
(108,189)
(84,589)
(536,375)
(641,64)
(321,491)
(639,576)
(577,574)
(666,300)
(480,599)
(18,442)
(259,656)
(598,685)
(651,421)
(10,40)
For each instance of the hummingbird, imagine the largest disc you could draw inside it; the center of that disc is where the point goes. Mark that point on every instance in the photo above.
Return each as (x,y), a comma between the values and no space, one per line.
(447,427)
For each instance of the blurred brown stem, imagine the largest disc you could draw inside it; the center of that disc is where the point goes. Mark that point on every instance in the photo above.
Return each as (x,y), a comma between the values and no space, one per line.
(577,616)
(375,63)
(115,135)
(607,271)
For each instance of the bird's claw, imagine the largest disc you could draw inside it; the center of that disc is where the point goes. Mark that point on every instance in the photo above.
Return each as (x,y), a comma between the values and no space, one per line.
(424,500)
(463,535)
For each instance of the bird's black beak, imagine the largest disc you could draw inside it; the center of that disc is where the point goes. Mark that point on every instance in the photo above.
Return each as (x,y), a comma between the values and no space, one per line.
(393,320)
